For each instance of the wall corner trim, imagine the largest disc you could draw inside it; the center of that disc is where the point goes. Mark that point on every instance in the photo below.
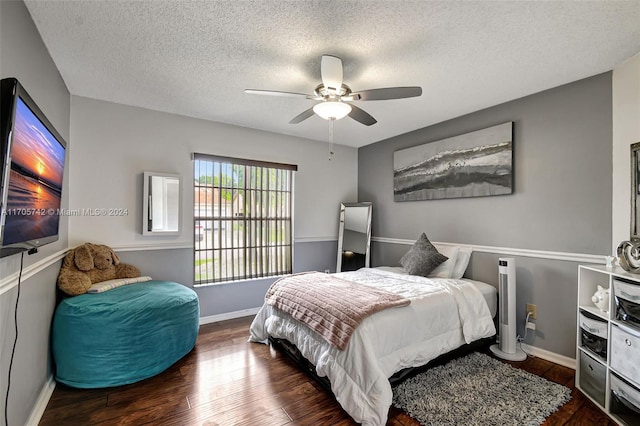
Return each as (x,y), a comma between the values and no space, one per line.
(541,254)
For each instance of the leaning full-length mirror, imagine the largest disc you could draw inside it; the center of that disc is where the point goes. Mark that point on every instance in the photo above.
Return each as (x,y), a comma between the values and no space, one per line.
(161,204)
(354,236)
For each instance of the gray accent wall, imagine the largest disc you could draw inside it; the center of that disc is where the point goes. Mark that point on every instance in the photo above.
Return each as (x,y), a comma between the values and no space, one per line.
(23,55)
(549,284)
(561,201)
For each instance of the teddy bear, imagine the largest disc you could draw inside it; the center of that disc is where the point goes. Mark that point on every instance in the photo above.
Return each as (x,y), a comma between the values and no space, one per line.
(89,264)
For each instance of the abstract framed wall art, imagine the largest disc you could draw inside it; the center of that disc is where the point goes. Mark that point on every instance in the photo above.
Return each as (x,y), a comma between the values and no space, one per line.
(475,164)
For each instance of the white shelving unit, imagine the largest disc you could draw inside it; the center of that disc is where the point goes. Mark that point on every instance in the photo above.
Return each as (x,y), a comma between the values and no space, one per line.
(593,372)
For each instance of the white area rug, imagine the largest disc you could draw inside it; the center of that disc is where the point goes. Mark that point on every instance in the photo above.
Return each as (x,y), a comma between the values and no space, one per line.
(479,390)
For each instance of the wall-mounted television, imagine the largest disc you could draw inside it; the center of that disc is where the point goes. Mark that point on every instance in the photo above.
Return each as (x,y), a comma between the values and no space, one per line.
(32,156)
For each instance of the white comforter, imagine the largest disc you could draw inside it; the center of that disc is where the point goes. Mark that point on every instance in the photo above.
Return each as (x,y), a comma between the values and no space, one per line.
(443,315)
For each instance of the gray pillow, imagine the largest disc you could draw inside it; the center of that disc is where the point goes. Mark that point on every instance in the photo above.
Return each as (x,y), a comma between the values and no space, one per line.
(422,258)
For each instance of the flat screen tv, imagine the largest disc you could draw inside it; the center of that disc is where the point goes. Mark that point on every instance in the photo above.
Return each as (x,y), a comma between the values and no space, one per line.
(32,156)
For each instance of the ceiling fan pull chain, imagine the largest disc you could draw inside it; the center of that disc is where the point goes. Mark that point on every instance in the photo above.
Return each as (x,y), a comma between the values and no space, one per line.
(331,138)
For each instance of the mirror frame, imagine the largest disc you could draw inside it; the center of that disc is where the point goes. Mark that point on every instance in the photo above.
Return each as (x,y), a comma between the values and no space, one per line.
(635,188)
(145,203)
(341,232)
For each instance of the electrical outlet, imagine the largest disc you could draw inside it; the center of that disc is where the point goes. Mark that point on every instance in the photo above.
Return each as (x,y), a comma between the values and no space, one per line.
(533,309)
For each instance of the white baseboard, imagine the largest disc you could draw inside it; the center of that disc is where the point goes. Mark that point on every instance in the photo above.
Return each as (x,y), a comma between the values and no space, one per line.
(41,403)
(550,356)
(228,316)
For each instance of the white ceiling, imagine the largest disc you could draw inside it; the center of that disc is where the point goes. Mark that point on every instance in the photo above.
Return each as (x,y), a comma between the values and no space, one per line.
(195,58)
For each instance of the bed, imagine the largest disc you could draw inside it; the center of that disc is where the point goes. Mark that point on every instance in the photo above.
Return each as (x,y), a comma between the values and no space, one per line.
(444,314)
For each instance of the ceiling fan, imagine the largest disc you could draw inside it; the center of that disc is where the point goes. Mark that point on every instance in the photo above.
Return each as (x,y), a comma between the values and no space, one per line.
(334,95)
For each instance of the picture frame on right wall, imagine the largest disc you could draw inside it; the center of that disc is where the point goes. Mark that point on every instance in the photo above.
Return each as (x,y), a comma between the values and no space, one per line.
(474,164)
(635,192)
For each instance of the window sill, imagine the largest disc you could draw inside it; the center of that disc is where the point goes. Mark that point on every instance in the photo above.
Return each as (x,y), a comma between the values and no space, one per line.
(248,280)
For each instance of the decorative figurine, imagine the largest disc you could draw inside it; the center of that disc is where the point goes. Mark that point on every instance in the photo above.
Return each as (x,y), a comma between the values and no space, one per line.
(629,256)
(609,261)
(601,299)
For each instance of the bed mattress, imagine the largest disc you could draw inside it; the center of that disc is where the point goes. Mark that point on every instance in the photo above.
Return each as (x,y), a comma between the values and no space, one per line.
(489,292)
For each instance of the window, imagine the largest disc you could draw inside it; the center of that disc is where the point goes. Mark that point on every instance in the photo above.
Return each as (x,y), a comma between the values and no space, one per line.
(242,218)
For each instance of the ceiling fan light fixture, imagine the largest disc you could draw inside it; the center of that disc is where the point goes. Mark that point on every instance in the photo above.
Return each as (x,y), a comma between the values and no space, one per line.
(333,93)
(332,110)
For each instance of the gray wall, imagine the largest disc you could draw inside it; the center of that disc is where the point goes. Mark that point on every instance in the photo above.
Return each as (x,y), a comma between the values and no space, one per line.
(561,200)
(148,140)
(24,56)
(129,141)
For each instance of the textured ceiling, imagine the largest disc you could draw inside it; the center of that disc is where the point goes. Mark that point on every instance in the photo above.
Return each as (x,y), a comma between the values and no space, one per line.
(195,58)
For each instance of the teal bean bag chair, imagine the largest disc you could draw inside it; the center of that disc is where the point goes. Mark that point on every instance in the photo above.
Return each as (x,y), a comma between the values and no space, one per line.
(123,335)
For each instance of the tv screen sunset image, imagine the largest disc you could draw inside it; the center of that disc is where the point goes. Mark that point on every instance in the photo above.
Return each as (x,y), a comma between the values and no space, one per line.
(35,180)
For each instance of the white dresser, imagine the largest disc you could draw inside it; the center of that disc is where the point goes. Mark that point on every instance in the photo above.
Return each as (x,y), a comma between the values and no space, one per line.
(608,342)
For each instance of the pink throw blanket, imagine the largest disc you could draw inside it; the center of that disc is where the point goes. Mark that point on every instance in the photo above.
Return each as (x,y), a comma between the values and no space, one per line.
(331,306)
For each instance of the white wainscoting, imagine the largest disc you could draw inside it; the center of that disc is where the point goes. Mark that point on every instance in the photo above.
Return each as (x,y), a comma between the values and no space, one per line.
(189,245)
(157,246)
(11,281)
(508,251)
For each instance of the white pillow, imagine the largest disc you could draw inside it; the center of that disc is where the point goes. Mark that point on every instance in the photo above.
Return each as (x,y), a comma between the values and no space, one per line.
(446,268)
(464,255)
(395,269)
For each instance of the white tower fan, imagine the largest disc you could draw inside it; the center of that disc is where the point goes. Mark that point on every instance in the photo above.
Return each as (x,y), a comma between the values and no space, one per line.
(507,346)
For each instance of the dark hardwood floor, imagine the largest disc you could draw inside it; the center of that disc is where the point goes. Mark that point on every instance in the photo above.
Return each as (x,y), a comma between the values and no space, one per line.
(227,381)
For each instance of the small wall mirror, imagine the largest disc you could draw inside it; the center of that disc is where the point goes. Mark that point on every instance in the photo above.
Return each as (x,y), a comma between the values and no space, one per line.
(635,192)
(354,236)
(161,204)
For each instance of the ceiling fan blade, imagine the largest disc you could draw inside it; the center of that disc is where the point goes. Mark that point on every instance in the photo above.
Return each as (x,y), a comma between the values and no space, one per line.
(361,116)
(331,72)
(277,93)
(387,93)
(302,116)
